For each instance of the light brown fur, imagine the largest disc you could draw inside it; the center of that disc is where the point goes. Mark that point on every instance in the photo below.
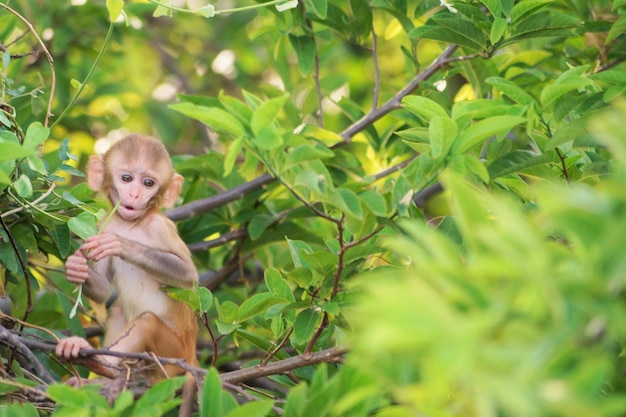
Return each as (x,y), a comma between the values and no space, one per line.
(137,254)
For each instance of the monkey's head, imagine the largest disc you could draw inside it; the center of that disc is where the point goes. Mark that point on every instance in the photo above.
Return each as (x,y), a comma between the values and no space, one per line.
(138,172)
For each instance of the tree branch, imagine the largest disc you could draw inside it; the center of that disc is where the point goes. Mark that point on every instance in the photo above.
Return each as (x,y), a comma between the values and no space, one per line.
(280,367)
(201,206)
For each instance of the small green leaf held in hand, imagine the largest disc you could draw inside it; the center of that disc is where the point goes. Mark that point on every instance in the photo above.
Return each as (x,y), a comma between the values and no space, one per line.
(79,297)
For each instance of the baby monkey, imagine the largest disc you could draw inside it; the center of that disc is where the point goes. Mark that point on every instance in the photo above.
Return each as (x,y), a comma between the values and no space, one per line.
(137,254)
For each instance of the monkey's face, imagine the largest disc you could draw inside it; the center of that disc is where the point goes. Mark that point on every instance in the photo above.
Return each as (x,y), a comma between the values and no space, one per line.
(135,185)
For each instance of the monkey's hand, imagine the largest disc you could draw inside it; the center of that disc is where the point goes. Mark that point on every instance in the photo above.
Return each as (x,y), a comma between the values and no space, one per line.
(104,245)
(76,268)
(69,347)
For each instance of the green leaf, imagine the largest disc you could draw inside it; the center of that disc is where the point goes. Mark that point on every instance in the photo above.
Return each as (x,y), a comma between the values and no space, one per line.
(268,138)
(278,285)
(115,8)
(257,304)
(327,137)
(494,7)
(36,134)
(266,113)
(189,297)
(123,402)
(352,202)
(14,151)
(60,234)
(497,30)
(231,155)
(295,247)
(306,152)
(310,180)
(442,132)
(258,224)
(544,24)
(159,399)
(206,298)
(83,225)
(206,11)
(297,400)
(319,7)
(36,164)
(515,162)
(211,400)
(523,8)
(305,325)
(305,51)
(510,89)
(215,118)
(484,129)
(475,166)
(228,311)
(253,409)
(375,202)
(553,92)
(76,397)
(423,107)
(23,187)
(287,5)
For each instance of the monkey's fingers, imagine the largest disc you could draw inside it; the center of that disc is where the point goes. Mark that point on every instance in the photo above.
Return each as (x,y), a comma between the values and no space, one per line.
(69,347)
(76,269)
(104,246)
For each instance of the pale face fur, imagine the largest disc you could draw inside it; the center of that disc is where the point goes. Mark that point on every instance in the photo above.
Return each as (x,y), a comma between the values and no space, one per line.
(136,184)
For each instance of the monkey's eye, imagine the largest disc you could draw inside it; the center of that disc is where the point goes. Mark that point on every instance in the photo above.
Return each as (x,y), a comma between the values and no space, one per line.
(127,177)
(148,182)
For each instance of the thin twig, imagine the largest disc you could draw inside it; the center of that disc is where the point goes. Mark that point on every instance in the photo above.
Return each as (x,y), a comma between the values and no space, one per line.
(278,347)
(376,70)
(48,56)
(36,201)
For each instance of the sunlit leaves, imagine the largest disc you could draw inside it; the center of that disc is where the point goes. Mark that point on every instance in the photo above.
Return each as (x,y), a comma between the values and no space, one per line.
(423,107)
(115,8)
(205,11)
(214,117)
(288,5)
(483,129)
(511,89)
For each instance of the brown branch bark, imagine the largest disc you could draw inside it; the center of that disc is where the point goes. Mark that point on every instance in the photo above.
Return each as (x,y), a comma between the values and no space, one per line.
(283,366)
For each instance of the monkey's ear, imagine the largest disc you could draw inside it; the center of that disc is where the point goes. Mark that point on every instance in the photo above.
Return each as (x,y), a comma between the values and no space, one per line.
(172,191)
(95,172)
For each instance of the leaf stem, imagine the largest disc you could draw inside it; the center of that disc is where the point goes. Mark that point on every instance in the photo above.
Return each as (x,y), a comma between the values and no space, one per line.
(237,9)
(79,297)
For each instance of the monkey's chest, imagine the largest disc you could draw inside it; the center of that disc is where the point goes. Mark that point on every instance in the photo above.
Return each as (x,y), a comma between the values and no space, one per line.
(138,292)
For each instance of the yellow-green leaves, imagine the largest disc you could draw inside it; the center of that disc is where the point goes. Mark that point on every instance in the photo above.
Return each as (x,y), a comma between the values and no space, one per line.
(266,134)
(215,118)
(115,8)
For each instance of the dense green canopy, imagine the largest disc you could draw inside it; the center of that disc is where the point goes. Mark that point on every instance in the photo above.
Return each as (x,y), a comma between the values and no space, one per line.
(396,207)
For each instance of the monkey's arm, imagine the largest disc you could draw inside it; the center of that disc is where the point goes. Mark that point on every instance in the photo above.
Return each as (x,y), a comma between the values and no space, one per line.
(172,266)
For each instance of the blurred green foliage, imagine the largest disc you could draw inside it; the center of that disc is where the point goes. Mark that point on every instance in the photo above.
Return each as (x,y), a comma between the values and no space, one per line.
(436,186)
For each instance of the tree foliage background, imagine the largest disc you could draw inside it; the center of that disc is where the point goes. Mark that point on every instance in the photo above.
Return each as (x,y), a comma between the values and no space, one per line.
(400,208)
